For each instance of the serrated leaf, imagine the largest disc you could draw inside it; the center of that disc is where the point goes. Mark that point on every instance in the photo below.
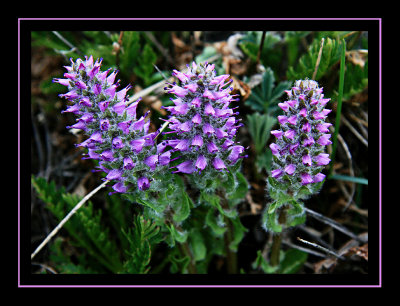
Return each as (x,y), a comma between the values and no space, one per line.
(84,227)
(306,65)
(266,95)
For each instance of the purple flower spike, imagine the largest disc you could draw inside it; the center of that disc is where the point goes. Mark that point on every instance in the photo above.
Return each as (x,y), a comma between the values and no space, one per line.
(116,137)
(204,124)
(302,136)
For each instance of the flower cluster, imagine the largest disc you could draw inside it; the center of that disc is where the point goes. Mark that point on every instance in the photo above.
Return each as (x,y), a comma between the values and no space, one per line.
(298,153)
(120,142)
(202,121)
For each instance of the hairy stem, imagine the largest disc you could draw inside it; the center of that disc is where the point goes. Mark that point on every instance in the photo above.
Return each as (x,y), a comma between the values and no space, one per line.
(231,256)
(184,247)
(277,239)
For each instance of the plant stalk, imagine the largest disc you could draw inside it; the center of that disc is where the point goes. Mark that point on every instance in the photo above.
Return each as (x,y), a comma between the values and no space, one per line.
(231,256)
(277,240)
(339,105)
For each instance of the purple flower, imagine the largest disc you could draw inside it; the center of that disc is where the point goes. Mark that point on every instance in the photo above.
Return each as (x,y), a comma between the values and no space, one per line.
(290,169)
(303,131)
(324,139)
(235,152)
(137,144)
(164,158)
(151,161)
(274,148)
(218,163)
(185,167)
(319,178)
(143,183)
(128,163)
(201,162)
(306,178)
(322,159)
(211,147)
(117,143)
(276,173)
(197,141)
(306,159)
(120,187)
(104,124)
(114,174)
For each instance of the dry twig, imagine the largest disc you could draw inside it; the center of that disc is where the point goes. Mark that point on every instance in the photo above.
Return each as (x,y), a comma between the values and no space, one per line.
(71,213)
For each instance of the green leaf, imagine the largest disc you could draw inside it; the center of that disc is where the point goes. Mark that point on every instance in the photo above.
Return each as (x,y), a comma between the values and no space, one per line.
(241,187)
(306,65)
(149,204)
(207,52)
(262,263)
(265,96)
(147,59)
(176,235)
(182,212)
(215,223)
(292,261)
(141,237)
(179,263)
(238,233)
(260,130)
(353,179)
(272,207)
(198,246)
(85,227)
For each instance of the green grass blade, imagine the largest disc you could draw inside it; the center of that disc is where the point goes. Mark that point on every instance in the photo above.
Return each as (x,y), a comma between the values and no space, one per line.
(339,104)
(358,180)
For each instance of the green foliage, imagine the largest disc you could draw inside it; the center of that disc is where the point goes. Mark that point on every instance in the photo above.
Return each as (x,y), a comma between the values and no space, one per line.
(260,130)
(145,68)
(265,97)
(85,226)
(290,262)
(306,65)
(135,57)
(141,237)
(250,43)
(285,202)
(125,250)
(356,74)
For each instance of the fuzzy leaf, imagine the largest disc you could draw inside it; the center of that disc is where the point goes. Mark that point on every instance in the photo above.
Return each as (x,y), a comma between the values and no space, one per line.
(216,226)
(238,233)
(183,210)
(241,187)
